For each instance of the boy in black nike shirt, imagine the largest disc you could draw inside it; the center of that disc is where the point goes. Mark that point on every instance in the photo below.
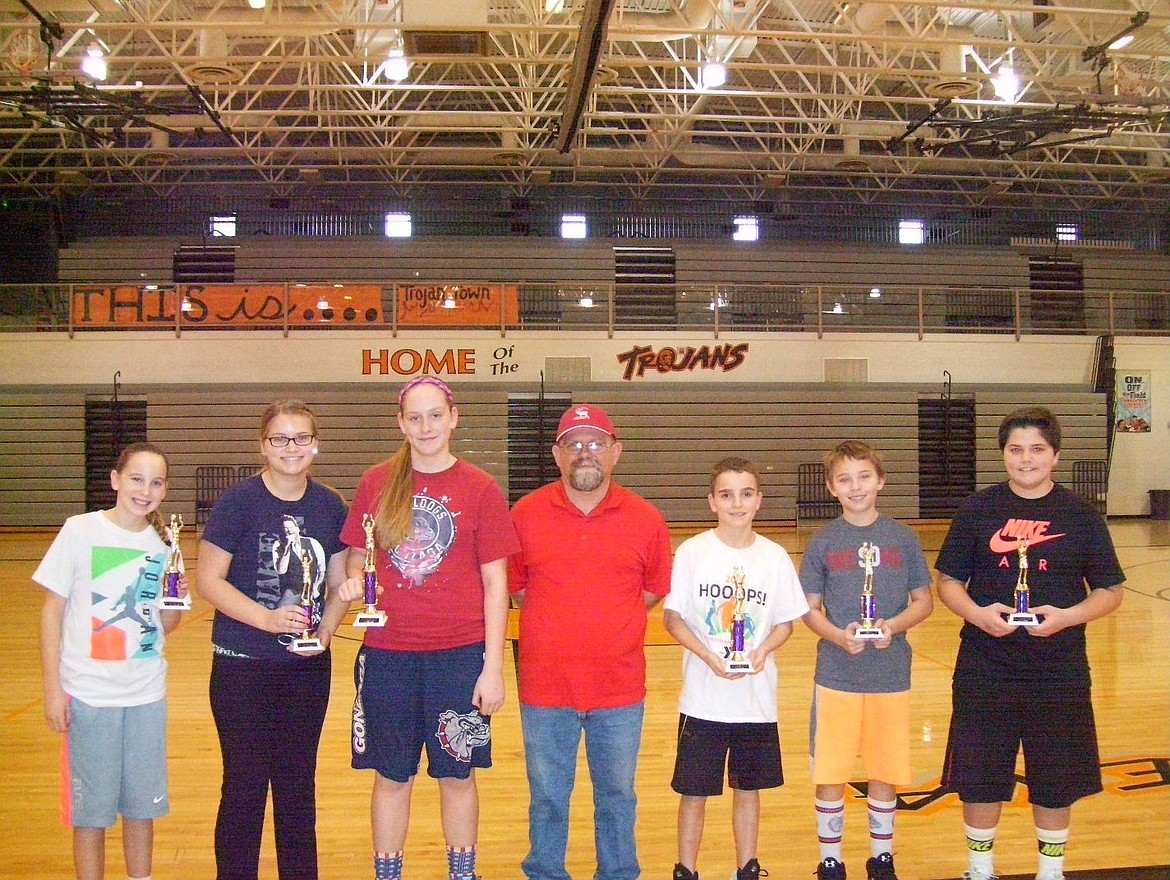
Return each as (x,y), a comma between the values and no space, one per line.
(1025,685)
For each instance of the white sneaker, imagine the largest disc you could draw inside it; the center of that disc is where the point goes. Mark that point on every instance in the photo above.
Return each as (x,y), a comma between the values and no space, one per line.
(979,875)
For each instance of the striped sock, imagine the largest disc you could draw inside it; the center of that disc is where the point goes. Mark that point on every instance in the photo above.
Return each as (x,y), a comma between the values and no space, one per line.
(388,866)
(461,862)
(980,842)
(1052,846)
(830,827)
(881,826)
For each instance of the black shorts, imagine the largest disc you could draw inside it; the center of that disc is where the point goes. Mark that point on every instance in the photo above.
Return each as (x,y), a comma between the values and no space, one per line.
(988,727)
(750,751)
(410,700)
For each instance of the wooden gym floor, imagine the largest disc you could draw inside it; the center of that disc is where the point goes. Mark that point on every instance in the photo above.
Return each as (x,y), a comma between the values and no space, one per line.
(1122,828)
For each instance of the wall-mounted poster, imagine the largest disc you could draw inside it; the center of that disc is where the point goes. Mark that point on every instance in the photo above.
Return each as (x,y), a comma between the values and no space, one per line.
(1134,410)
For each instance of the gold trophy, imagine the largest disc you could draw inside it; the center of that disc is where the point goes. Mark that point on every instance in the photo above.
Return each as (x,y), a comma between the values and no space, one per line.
(1023,615)
(372,616)
(737,660)
(170,599)
(867,629)
(307,643)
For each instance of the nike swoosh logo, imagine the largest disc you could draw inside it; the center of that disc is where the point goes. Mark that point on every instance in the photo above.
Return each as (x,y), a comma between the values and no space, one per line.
(1000,544)
(158,799)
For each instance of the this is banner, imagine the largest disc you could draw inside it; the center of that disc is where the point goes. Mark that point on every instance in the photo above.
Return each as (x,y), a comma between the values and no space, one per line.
(1134,409)
(227,306)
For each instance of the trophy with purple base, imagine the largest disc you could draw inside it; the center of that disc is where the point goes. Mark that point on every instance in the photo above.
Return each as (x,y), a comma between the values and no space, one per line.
(737,660)
(170,599)
(868,628)
(1023,615)
(307,642)
(371,616)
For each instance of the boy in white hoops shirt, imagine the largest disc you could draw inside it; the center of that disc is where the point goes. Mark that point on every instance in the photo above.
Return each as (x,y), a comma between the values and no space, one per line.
(733,597)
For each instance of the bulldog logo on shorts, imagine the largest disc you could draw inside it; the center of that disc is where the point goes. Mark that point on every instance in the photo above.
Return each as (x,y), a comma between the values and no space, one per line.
(460,734)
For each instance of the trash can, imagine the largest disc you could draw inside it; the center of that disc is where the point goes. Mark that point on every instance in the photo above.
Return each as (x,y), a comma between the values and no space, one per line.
(1160,504)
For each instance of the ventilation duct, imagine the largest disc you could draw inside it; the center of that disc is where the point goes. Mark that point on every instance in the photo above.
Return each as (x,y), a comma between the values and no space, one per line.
(953,81)
(868,17)
(212,67)
(213,64)
(160,142)
(696,15)
(734,15)
(458,27)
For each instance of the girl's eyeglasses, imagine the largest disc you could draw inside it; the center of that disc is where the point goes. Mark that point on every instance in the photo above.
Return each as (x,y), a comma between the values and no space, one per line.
(282,440)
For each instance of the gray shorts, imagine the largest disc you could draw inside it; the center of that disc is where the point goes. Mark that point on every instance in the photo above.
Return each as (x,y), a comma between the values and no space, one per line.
(116,763)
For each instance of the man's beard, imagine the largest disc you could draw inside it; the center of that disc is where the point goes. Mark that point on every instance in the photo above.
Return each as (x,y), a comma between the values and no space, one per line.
(586,478)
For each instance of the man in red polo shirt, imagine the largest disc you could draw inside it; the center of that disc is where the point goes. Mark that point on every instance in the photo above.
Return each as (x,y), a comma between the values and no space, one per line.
(595,558)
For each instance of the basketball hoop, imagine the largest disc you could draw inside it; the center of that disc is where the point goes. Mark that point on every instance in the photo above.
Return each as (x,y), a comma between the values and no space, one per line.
(24,51)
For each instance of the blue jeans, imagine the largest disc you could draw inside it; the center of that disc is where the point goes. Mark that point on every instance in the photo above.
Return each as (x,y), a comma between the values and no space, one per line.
(612,740)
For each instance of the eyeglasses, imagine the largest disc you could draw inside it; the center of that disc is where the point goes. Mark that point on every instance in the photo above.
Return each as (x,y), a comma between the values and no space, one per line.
(576,447)
(282,440)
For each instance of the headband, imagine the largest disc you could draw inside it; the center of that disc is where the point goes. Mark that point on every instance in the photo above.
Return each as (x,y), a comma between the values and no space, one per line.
(426,380)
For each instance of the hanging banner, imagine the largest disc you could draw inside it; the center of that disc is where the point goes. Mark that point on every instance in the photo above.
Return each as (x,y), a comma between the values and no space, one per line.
(255,305)
(226,305)
(1134,408)
(463,305)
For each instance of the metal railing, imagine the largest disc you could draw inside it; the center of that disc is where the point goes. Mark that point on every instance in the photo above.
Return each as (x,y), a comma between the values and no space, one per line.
(517,306)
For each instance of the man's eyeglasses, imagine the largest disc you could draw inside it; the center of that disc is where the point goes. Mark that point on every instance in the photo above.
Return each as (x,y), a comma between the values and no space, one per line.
(282,440)
(576,447)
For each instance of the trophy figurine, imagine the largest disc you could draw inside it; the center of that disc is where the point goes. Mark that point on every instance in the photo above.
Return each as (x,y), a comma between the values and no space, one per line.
(169,599)
(1023,615)
(306,642)
(868,629)
(371,616)
(737,660)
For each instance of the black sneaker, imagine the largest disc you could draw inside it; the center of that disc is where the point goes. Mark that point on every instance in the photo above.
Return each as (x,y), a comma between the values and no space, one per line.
(682,873)
(750,871)
(881,867)
(831,869)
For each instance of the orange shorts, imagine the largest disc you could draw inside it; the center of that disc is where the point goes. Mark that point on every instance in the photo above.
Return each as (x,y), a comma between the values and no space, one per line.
(874,726)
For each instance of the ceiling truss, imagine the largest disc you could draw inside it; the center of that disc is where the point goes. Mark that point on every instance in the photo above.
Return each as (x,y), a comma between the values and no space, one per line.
(879,100)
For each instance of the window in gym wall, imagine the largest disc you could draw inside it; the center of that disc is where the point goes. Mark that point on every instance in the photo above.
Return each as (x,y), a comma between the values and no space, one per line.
(745,229)
(399,225)
(911,232)
(222,226)
(574,226)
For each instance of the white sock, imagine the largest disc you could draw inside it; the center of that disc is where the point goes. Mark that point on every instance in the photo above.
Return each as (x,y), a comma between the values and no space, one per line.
(980,842)
(830,827)
(881,826)
(1052,845)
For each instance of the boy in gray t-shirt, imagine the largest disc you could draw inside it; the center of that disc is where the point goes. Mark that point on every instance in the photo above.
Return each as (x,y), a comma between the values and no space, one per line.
(867,583)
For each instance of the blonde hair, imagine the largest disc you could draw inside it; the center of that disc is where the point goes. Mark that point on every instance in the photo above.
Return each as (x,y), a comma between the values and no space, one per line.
(394,515)
(154,518)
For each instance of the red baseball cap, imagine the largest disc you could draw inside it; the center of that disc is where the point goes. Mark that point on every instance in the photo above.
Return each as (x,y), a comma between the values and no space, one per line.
(585,416)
